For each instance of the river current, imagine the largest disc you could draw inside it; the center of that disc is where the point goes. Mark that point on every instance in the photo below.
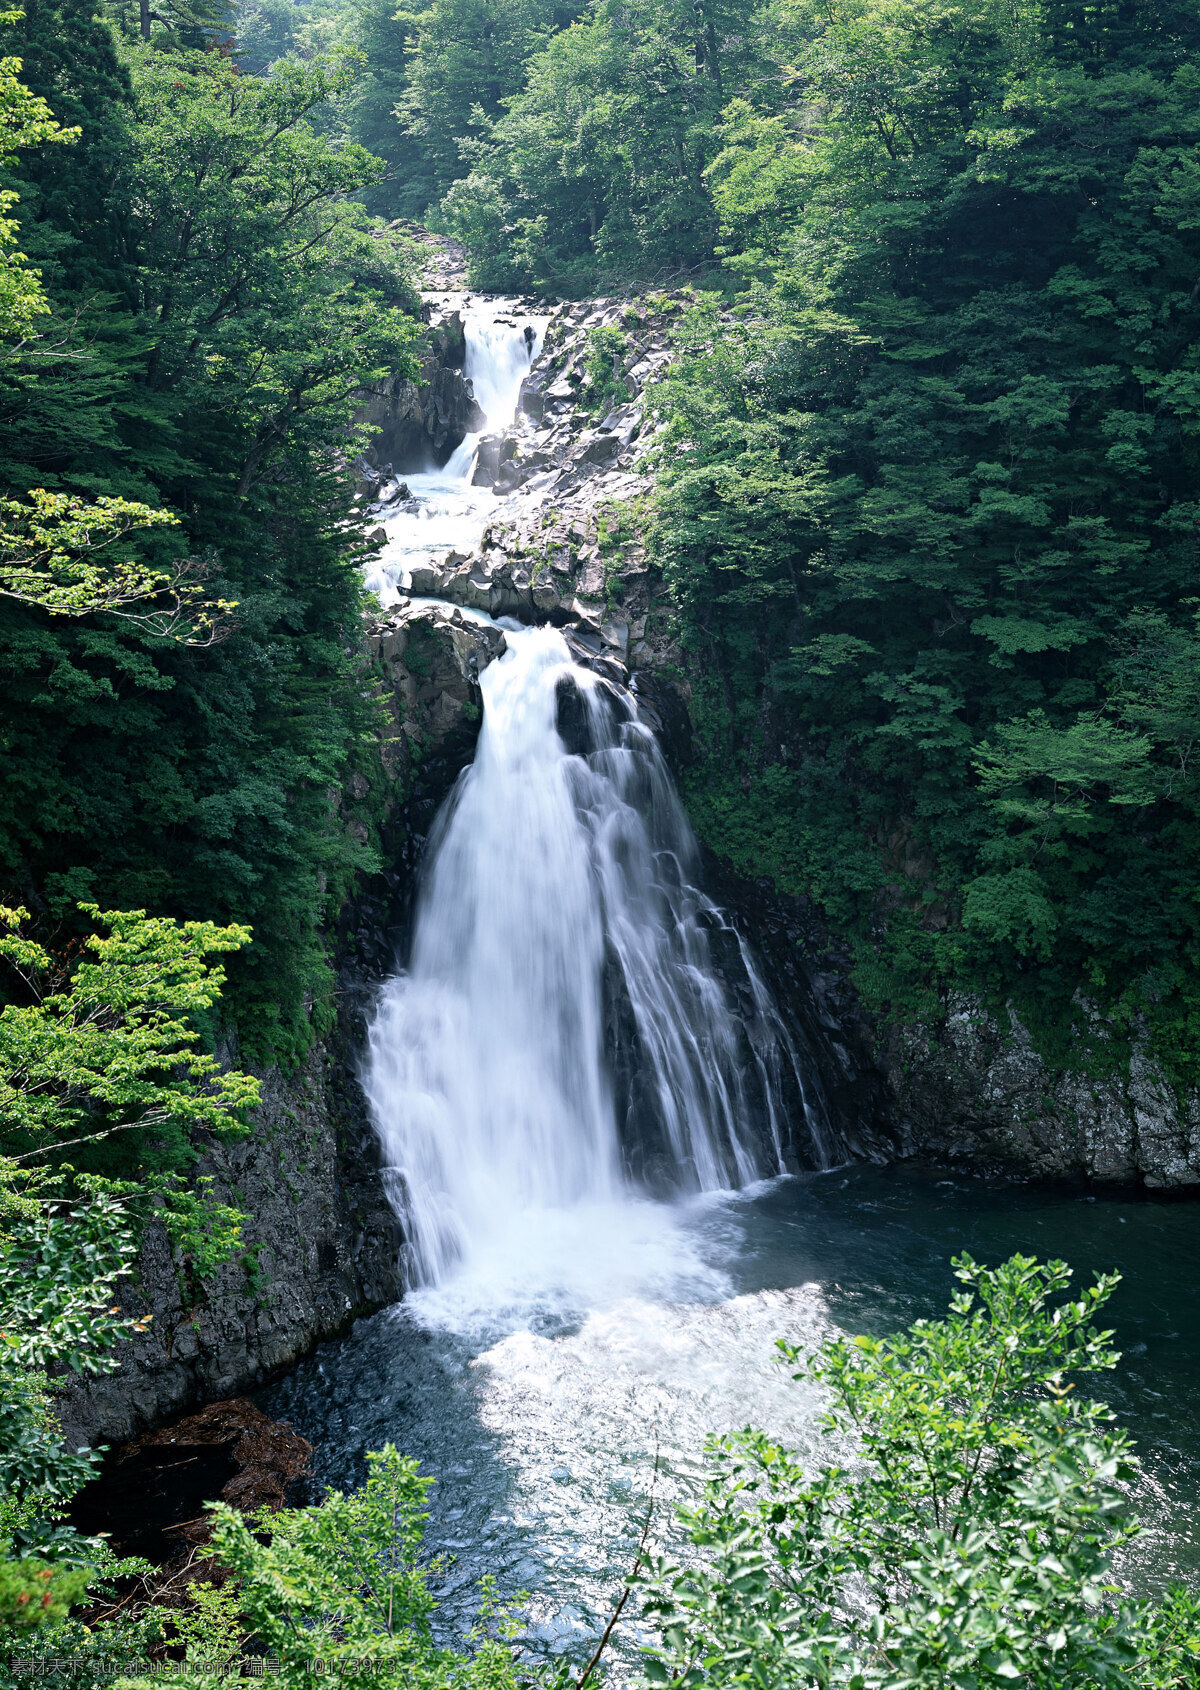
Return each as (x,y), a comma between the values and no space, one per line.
(571,1341)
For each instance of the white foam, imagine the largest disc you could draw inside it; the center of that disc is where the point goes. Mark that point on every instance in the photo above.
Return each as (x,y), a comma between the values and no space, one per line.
(451,514)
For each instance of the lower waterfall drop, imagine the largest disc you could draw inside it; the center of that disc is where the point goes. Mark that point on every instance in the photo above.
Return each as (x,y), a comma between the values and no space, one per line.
(487,1073)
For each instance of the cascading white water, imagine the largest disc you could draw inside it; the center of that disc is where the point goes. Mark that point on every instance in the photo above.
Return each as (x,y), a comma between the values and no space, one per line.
(450,513)
(658,924)
(499,352)
(487,1076)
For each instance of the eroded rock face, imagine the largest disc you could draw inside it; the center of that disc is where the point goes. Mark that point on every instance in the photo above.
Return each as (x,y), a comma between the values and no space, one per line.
(323,1245)
(431,656)
(981,1093)
(807,971)
(420,423)
(565,546)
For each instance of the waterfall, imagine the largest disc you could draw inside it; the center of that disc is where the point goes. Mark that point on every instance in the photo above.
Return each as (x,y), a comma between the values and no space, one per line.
(499,352)
(450,513)
(553,874)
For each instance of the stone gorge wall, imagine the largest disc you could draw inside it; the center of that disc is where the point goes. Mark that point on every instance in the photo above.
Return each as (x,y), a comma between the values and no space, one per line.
(323,1242)
(976,1092)
(419,422)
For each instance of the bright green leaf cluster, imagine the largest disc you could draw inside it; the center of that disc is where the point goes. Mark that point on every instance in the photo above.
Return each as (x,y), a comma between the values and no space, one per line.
(341,1590)
(964,1536)
(113,1049)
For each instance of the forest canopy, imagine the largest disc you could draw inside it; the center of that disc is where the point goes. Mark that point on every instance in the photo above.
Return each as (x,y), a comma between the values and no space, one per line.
(934,514)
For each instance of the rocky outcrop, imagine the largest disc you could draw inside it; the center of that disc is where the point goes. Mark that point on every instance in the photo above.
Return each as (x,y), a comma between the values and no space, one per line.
(429,658)
(322,1245)
(566,545)
(419,423)
(978,1092)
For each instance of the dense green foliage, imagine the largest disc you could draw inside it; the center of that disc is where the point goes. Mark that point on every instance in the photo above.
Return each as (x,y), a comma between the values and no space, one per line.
(104,1053)
(927,510)
(217,299)
(432,82)
(929,504)
(597,166)
(344,1585)
(107,1048)
(962,1537)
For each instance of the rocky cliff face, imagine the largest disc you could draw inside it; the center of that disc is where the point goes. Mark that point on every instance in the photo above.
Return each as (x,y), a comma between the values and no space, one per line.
(421,422)
(565,547)
(324,1245)
(978,1092)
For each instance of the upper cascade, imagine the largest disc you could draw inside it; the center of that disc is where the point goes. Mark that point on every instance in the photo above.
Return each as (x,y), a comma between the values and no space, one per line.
(442,510)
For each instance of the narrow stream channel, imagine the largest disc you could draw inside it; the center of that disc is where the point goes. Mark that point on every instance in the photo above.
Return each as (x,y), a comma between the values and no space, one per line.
(570,1338)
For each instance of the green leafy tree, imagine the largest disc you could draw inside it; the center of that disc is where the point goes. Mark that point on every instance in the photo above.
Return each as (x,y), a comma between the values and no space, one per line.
(244,303)
(246,254)
(106,1049)
(341,1589)
(60,1262)
(928,488)
(25,121)
(108,1046)
(469,58)
(598,167)
(606,347)
(964,1537)
(385,37)
(50,556)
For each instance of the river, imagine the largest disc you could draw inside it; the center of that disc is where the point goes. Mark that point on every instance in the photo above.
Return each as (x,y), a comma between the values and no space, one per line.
(571,1341)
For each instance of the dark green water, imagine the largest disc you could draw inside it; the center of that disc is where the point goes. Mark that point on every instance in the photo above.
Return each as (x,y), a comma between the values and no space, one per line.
(541,1427)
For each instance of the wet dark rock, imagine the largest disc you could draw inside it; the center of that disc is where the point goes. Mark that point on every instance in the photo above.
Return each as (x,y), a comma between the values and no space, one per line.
(151,1493)
(575,721)
(322,1246)
(431,655)
(531,401)
(808,975)
(421,423)
(493,453)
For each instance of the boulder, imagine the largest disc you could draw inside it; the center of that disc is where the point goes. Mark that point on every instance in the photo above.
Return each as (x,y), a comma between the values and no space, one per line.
(431,657)
(426,579)
(531,401)
(422,423)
